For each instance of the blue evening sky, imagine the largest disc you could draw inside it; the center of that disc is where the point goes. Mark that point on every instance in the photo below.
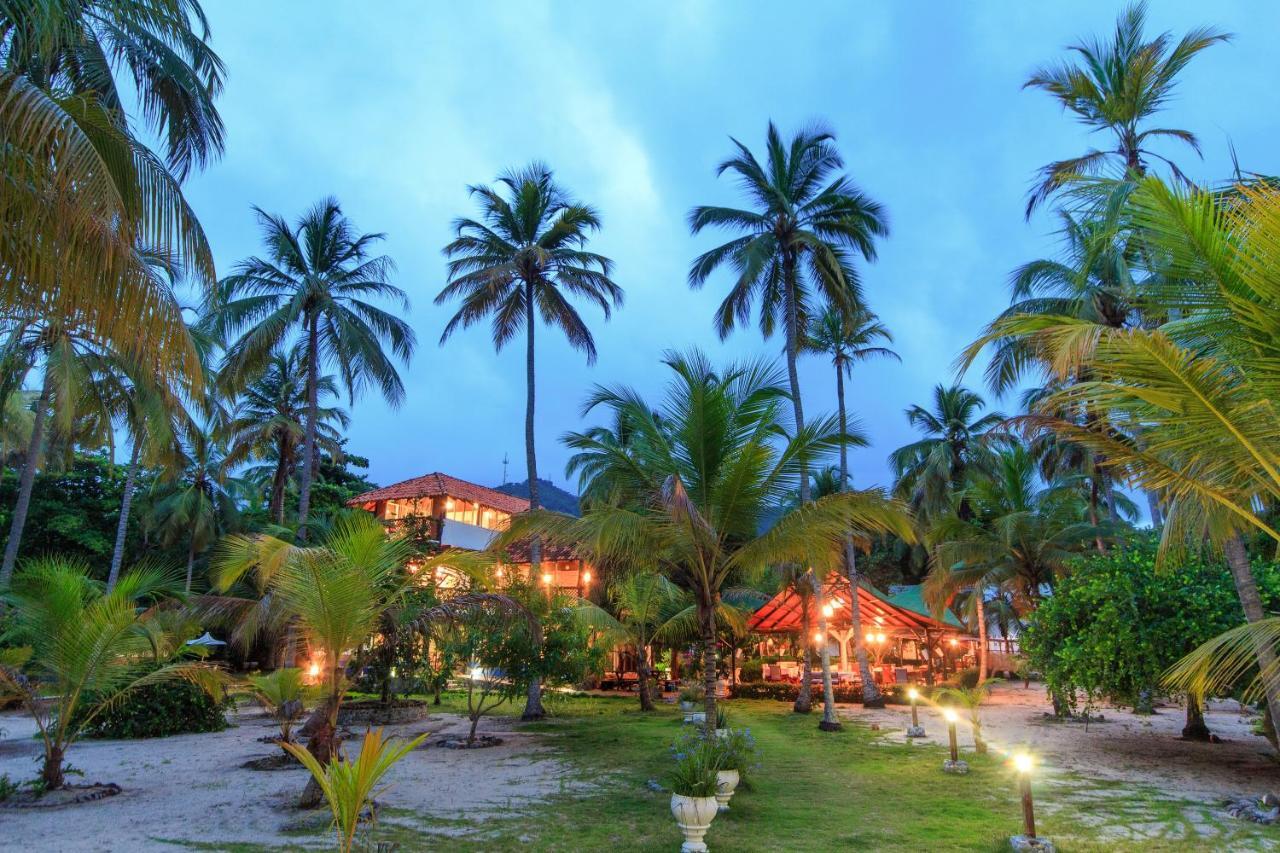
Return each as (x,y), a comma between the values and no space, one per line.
(394,107)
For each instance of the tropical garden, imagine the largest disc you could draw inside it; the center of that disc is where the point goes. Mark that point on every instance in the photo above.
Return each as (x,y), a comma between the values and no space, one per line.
(1090,496)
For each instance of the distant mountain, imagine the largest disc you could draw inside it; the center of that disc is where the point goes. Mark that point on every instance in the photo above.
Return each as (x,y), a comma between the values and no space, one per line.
(550,495)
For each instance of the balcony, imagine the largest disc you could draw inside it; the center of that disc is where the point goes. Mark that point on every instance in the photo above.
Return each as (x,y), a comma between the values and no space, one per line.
(450,533)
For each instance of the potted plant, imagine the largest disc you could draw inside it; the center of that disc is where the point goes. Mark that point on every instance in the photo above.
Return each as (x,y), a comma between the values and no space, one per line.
(736,750)
(693,790)
(722,721)
(691,695)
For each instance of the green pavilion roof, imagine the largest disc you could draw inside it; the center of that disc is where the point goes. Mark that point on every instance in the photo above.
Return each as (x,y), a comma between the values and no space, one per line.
(912,598)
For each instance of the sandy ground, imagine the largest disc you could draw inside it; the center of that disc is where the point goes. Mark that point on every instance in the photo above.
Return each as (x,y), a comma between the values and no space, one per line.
(1123,747)
(192,787)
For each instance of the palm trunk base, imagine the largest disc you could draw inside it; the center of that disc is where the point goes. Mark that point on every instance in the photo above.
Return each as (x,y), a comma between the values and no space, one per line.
(1195,729)
(533,709)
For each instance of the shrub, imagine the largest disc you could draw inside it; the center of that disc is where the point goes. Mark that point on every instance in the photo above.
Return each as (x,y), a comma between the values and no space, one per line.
(752,670)
(160,710)
(692,693)
(967,679)
(694,774)
(783,691)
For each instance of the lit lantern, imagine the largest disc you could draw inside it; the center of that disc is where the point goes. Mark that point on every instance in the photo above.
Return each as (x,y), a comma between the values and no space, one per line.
(879,638)
(546,578)
(586,577)
(314,670)
(828,611)
(817,636)
(914,696)
(951,718)
(954,642)
(871,638)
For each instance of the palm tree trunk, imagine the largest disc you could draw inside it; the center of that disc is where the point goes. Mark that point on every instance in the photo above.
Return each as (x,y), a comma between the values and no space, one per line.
(1195,729)
(979,592)
(323,742)
(804,698)
(126,503)
(829,722)
(642,665)
(280,481)
(26,481)
(871,695)
(1247,590)
(533,709)
(191,560)
(793,377)
(313,414)
(707,616)
(51,773)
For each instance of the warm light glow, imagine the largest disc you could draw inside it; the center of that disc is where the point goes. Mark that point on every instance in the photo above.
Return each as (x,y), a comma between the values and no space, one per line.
(586,577)
(448,504)
(413,568)
(837,603)
(546,578)
(817,636)
(1023,762)
(828,610)
(879,638)
(953,641)
(476,673)
(314,670)
(498,572)
(879,620)
(949,715)
(913,694)
(870,637)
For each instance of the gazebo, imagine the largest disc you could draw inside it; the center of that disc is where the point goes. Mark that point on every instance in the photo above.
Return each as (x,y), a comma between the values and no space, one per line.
(904,640)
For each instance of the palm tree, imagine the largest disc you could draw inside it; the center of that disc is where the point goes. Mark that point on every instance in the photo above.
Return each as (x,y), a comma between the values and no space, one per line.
(521,260)
(268,423)
(958,441)
(1203,387)
(1115,88)
(195,502)
(796,245)
(88,649)
(1018,537)
(336,593)
(83,191)
(314,281)
(691,487)
(849,339)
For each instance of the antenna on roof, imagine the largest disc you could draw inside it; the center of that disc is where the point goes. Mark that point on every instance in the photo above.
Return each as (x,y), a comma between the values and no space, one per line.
(504,468)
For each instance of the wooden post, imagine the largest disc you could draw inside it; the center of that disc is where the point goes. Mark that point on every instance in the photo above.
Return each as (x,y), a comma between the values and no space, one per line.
(951,735)
(1028,809)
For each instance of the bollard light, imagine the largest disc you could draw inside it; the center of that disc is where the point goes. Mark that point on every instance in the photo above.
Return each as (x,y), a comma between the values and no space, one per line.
(950,716)
(1023,763)
(914,696)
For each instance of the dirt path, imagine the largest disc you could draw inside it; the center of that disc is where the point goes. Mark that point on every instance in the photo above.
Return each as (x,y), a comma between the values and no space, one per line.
(192,788)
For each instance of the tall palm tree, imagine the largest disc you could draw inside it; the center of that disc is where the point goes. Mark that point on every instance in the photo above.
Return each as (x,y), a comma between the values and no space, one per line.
(849,339)
(1115,87)
(958,441)
(1019,536)
(797,245)
(195,503)
(689,491)
(521,260)
(268,423)
(83,191)
(1202,386)
(314,283)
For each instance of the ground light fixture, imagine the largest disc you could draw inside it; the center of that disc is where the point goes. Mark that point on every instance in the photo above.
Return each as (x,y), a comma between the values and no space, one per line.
(1023,765)
(953,764)
(916,729)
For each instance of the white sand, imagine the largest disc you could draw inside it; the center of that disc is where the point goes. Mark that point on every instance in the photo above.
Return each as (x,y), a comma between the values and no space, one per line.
(1125,747)
(192,787)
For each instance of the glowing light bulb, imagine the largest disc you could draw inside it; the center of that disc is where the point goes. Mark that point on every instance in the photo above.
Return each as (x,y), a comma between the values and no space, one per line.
(586,577)
(314,670)
(828,610)
(498,572)
(870,637)
(817,636)
(879,638)
(546,579)
(1023,762)
(476,673)
(913,694)
(949,715)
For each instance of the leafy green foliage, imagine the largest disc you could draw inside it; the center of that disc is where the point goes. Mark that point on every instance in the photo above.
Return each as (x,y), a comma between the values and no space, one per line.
(697,759)
(1115,624)
(159,710)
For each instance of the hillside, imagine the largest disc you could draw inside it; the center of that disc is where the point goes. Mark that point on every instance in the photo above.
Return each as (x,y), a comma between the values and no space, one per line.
(550,495)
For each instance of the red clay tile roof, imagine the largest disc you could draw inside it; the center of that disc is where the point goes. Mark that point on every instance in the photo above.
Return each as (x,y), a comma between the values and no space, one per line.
(519,552)
(441,485)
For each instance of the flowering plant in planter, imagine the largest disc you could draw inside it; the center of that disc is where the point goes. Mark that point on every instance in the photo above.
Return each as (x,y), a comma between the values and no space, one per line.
(696,761)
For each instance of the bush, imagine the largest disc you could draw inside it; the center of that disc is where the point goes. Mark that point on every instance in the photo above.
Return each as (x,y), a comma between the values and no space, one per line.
(783,691)
(752,670)
(967,678)
(160,710)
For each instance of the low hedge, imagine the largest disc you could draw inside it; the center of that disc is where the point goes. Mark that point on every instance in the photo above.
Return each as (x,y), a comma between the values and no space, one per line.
(160,710)
(784,691)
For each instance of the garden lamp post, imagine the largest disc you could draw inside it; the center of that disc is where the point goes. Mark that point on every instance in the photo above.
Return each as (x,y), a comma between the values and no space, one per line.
(953,764)
(1022,763)
(916,729)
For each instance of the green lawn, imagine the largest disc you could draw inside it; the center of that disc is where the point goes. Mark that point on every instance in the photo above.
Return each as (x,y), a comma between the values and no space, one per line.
(818,791)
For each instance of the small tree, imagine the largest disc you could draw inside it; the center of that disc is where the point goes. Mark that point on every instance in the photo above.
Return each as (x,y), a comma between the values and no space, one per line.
(972,699)
(281,694)
(89,649)
(1115,624)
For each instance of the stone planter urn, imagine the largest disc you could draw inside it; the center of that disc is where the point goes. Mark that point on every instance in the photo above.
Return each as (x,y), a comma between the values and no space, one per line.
(694,815)
(686,706)
(726,784)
